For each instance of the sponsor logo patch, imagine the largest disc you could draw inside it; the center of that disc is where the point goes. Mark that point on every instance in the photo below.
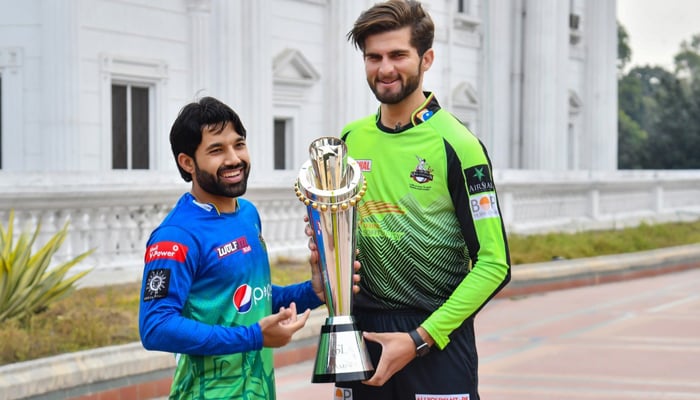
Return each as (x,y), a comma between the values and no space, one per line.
(479,179)
(157,284)
(484,206)
(442,396)
(246,296)
(233,246)
(166,251)
(343,394)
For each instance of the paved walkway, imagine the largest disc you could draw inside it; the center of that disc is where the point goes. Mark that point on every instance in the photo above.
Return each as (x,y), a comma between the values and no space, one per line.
(631,340)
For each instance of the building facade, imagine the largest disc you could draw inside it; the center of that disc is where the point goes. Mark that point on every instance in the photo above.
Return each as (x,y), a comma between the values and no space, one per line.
(94,85)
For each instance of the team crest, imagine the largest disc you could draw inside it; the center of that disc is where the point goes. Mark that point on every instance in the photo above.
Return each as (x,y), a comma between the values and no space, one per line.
(423,173)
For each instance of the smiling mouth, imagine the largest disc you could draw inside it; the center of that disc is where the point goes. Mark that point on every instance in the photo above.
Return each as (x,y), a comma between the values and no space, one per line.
(232,175)
(388,84)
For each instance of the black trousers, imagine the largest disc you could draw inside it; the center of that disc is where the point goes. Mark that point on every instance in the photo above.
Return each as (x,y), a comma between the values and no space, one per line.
(448,374)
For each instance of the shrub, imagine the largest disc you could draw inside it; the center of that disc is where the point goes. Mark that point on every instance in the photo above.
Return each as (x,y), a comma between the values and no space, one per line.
(27,284)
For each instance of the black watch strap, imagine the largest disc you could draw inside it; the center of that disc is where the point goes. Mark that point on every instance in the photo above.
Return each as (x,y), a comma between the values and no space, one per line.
(422,348)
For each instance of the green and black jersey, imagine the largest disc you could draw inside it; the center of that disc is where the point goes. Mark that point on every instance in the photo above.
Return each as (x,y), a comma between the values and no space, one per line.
(430,232)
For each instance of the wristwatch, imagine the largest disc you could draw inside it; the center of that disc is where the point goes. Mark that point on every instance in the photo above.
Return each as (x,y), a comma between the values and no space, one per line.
(422,348)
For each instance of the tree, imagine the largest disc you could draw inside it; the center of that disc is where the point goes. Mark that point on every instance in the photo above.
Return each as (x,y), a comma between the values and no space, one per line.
(630,137)
(624,52)
(675,138)
(665,139)
(632,143)
(659,111)
(687,61)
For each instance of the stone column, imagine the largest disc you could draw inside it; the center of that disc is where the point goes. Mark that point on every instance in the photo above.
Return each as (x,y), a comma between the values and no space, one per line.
(498,124)
(348,96)
(199,13)
(544,87)
(243,74)
(600,95)
(14,146)
(60,87)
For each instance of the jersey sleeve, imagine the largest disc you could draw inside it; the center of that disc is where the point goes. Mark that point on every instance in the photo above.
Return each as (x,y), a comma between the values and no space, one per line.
(476,205)
(171,261)
(301,293)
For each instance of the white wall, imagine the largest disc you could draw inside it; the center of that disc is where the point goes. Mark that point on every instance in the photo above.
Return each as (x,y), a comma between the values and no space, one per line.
(58,60)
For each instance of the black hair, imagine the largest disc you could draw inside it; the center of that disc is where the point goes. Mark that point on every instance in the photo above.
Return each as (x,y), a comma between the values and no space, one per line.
(186,132)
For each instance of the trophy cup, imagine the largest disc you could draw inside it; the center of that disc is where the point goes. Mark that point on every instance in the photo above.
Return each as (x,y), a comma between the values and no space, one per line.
(331,184)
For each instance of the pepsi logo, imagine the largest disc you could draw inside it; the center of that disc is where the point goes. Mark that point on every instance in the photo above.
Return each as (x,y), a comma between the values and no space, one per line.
(246,296)
(242,298)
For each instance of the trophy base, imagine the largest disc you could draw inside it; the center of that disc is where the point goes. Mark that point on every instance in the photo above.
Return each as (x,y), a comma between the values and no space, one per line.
(346,377)
(342,355)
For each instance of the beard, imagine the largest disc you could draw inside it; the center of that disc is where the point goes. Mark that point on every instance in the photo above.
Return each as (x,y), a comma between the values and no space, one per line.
(407,87)
(213,185)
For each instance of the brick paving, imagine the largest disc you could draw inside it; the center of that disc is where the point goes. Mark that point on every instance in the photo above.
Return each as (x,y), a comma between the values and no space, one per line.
(630,340)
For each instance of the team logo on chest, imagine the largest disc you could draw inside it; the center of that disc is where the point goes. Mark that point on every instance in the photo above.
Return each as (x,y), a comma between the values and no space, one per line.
(423,173)
(236,245)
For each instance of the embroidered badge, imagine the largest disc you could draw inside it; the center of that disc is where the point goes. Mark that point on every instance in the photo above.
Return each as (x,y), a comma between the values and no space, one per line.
(479,179)
(157,284)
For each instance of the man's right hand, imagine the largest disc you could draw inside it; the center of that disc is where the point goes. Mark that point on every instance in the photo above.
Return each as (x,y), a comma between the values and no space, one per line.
(278,329)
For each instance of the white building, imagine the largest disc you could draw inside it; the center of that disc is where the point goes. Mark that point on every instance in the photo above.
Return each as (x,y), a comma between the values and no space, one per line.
(94,85)
(89,90)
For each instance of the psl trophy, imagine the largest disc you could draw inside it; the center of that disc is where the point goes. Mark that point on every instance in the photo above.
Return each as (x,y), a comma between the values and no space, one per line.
(331,184)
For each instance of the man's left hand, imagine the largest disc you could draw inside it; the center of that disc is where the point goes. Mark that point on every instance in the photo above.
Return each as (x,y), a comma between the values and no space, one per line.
(398,350)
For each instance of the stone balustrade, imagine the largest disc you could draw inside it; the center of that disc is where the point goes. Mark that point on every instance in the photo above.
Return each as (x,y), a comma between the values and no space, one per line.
(115,212)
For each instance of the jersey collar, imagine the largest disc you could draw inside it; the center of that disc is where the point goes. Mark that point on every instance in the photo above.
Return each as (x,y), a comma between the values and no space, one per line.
(421,114)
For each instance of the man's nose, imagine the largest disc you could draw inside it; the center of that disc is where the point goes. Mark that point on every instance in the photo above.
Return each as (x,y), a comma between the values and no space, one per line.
(232,157)
(386,66)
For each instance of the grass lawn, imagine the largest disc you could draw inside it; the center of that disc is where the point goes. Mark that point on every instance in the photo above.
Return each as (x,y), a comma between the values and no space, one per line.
(96,317)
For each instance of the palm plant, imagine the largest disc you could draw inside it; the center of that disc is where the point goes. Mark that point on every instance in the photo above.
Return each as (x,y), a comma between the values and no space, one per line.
(27,284)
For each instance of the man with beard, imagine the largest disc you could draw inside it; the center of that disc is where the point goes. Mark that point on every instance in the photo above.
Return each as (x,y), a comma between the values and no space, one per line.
(431,239)
(207,294)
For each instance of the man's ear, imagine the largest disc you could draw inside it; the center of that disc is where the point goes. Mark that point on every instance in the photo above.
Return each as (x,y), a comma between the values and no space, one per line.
(428,58)
(185,162)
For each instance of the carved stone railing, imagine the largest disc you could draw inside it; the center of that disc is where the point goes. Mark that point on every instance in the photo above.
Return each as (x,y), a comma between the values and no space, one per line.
(115,212)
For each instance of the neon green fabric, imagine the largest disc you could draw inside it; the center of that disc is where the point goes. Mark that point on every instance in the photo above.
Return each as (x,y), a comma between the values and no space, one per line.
(430,233)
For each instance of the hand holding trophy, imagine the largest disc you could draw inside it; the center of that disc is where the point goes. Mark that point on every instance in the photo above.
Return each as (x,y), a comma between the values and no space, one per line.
(331,184)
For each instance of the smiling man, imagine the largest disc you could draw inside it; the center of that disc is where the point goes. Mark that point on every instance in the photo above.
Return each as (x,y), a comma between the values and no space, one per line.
(431,237)
(207,294)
